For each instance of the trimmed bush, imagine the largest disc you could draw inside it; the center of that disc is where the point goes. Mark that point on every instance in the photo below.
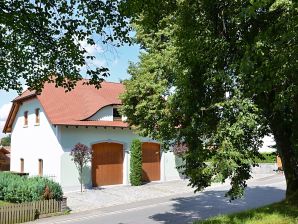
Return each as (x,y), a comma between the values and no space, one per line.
(180,166)
(17,189)
(136,163)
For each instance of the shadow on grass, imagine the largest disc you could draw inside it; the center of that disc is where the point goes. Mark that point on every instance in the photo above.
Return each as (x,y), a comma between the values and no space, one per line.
(212,203)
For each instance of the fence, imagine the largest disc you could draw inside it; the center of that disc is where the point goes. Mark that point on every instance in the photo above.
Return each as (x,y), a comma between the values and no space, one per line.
(29,211)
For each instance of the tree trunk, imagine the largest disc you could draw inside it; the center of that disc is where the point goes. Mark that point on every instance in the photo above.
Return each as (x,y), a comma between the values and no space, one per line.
(81,178)
(289,160)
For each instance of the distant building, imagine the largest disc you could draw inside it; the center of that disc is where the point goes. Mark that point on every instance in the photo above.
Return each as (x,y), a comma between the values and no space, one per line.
(4,158)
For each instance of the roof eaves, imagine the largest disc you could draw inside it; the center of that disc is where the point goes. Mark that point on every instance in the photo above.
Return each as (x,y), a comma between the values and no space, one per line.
(18,99)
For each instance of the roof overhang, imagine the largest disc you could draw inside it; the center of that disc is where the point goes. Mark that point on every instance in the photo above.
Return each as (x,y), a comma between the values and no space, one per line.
(13,112)
(4,150)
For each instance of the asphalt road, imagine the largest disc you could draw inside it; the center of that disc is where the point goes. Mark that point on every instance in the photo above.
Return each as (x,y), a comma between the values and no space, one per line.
(183,208)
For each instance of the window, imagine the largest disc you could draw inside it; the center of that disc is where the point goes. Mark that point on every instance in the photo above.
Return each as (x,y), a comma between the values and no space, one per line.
(116,115)
(26,118)
(22,165)
(40,167)
(37,119)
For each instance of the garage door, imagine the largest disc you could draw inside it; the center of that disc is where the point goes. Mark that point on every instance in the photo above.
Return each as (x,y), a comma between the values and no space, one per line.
(107,164)
(150,161)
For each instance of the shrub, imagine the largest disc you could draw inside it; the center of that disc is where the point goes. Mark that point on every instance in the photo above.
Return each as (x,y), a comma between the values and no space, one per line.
(180,150)
(136,163)
(180,166)
(17,189)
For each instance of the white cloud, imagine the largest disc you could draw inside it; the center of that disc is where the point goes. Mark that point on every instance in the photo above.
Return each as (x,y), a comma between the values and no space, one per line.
(4,111)
(92,64)
(98,62)
(2,123)
(91,49)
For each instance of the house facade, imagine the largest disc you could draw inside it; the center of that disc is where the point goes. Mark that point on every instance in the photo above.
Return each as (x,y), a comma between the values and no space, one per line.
(44,128)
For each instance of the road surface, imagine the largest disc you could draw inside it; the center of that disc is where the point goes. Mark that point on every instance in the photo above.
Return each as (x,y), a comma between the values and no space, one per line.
(184,208)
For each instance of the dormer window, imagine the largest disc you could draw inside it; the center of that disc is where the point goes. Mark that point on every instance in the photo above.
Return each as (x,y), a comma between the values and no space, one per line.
(26,118)
(116,115)
(37,119)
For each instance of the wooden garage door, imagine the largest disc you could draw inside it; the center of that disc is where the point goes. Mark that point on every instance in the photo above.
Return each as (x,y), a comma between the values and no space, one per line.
(150,161)
(107,164)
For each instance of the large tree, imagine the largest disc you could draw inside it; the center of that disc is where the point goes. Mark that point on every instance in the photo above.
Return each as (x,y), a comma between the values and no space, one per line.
(42,40)
(217,75)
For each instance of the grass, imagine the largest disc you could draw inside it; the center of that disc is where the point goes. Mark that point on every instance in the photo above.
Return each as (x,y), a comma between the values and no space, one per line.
(284,212)
(268,158)
(4,203)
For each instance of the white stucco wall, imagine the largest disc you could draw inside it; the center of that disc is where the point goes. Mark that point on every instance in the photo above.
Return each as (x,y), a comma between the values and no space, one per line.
(91,135)
(104,114)
(35,142)
(171,173)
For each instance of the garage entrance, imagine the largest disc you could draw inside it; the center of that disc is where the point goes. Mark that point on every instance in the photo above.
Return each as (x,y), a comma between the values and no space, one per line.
(150,161)
(107,164)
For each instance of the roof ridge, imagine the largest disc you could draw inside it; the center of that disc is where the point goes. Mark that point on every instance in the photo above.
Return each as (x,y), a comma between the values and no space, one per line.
(113,82)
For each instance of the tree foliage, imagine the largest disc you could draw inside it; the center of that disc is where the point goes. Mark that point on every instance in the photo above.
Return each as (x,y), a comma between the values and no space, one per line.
(81,155)
(217,76)
(41,41)
(5,141)
(135,175)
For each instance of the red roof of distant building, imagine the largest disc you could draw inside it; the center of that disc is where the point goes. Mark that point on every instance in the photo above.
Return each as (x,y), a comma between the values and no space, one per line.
(5,149)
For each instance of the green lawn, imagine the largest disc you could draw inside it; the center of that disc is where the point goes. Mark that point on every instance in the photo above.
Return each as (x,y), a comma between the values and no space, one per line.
(285,212)
(268,158)
(4,203)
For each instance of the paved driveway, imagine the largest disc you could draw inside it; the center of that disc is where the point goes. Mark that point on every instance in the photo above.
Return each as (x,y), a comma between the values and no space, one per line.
(181,208)
(118,195)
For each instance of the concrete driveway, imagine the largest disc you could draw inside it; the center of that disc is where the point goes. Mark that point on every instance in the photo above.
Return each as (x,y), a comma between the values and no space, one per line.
(181,208)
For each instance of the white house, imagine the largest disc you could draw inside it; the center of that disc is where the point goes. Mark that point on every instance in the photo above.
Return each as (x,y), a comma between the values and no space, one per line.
(44,128)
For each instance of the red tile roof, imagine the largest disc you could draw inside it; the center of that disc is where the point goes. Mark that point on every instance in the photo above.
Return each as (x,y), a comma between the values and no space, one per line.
(76,106)
(5,149)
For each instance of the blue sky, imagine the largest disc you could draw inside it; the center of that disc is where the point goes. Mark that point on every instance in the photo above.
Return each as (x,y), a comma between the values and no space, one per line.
(116,59)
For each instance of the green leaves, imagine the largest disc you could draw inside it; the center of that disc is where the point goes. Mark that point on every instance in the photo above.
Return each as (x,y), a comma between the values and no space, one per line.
(41,41)
(228,74)
(135,175)
(18,189)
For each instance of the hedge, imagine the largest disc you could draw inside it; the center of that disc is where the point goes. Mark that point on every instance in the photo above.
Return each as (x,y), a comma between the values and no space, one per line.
(136,163)
(269,157)
(17,189)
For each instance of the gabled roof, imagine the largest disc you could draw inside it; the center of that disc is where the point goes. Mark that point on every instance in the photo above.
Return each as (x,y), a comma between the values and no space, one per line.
(5,149)
(74,107)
